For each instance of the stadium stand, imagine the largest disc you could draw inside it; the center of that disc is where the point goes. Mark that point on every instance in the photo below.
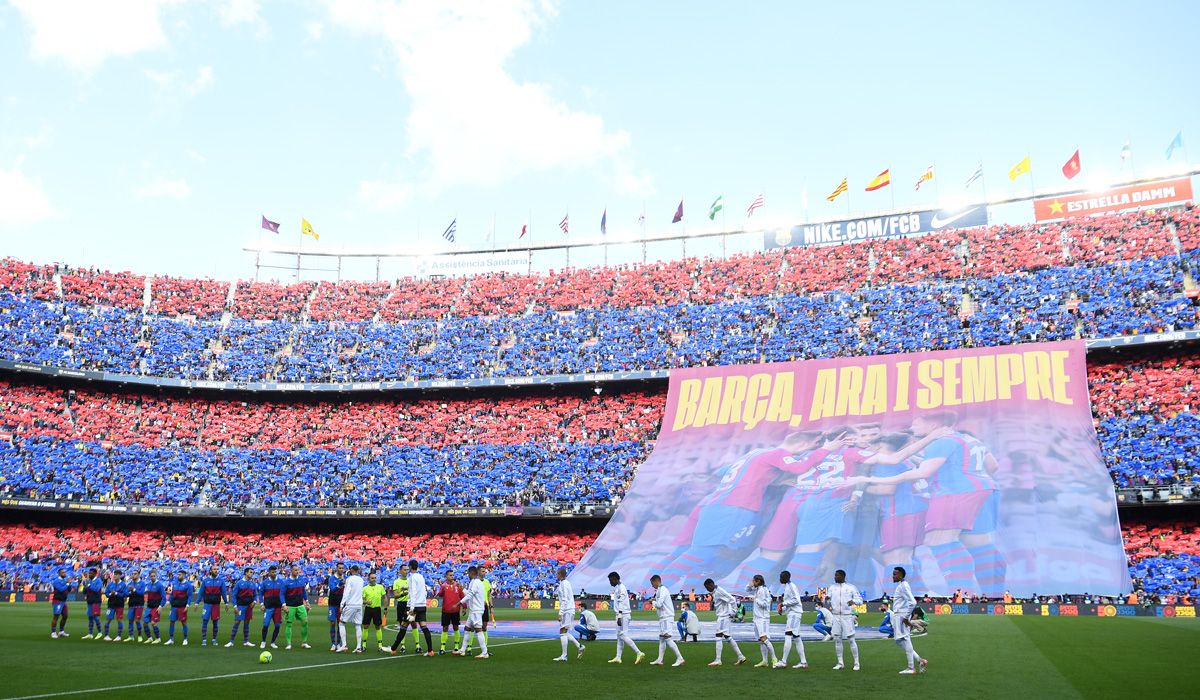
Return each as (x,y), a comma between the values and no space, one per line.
(1164,560)
(64,444)
(77,444)
(522,565)
(1100,277)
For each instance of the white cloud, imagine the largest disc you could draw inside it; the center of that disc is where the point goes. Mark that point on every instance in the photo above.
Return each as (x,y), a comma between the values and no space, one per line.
(384,195)
(236,12)
(172,80)
(83,33)
(472,120)
(163,189)
(22,199)
(204,80)
(315,30)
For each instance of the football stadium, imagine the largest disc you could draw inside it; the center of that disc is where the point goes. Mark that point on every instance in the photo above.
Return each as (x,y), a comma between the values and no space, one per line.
(499,350)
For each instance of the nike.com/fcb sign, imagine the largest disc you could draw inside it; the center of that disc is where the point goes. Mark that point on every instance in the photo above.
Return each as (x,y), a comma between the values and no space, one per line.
(1110,201)
(875,227)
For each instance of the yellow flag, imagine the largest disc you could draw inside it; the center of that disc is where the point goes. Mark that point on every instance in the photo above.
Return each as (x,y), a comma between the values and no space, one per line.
(1019,169)
(307,230)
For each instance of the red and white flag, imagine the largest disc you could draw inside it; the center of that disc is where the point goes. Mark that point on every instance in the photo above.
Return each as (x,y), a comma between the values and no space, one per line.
(758,203)
(563,224)
(524,230)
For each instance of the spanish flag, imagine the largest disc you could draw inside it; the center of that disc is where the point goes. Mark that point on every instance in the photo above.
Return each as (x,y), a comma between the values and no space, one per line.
(841,189)
(1019,169)
(306,229)
(881,180)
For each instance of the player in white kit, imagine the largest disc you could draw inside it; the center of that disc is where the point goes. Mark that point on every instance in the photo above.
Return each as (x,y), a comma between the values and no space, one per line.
(566,615)
(665,609)
(792,610)
(762,621)
(842,598)
(903,604)
(352,608)
(723,603)
(620,606)
(474,598)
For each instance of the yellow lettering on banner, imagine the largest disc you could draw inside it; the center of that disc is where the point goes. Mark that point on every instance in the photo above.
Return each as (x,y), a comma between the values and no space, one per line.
(756,393)
(685,409)
(979,378)
(850,382)
(902,371)
(1037,375)
(731,400)
(710,402)
(951,382)
(779,409)
(1058,369)
(875,390)
(1009,373)
(930,393)
(824,394)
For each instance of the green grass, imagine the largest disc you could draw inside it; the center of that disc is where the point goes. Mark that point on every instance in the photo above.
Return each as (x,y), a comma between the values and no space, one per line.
(970,657)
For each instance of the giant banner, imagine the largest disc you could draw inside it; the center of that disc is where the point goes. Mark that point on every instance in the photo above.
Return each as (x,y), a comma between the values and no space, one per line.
(1115,199)
(973,469)
(876,227)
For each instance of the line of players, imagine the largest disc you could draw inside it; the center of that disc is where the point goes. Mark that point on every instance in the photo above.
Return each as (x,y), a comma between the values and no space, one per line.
(284,603)
(841,599)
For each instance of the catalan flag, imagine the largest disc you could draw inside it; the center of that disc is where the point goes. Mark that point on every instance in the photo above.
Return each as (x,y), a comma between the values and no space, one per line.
(881,180)
(306,229)
(841,189)
(925,177)
(1019,169)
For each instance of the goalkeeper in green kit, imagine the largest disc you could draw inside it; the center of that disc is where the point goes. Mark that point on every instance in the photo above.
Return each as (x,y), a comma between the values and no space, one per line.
(295,607)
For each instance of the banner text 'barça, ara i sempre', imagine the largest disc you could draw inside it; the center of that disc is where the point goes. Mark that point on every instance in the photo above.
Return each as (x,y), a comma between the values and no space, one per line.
(975,470)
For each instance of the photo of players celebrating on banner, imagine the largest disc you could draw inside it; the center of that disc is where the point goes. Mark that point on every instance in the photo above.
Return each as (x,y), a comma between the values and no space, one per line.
(965,498)
(859,495)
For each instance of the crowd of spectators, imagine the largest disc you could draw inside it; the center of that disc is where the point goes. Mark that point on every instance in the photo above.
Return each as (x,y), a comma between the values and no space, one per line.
(1147,416)
(522,565)
(996,285)
(63,444)
(1164,561)
(76,444)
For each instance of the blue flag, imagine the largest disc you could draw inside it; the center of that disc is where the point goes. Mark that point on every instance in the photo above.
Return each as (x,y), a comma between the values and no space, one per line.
(604,223)
(448,234)
(1176,142)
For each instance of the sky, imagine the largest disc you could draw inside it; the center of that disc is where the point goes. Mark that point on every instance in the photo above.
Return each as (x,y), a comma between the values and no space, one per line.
(152,135)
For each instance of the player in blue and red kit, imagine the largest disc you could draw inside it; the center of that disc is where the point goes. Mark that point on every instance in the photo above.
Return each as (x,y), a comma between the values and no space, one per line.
(116,592)
(93,588)
(182,593)
(214,594)
(270,595)
(136,606)
(245,591)
(59,588)
(337,586)
(156,595)
(961,488)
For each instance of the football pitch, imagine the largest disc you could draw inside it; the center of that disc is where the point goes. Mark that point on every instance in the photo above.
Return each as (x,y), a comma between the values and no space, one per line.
(975,656)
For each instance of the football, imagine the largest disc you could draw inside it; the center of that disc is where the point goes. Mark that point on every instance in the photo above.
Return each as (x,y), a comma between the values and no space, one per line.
(265,657)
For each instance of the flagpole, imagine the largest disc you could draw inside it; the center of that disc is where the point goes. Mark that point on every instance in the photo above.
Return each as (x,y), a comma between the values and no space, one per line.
(1032,188)
(299,252)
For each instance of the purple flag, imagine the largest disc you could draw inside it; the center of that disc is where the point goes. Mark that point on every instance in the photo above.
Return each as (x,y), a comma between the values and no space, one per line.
(269,225)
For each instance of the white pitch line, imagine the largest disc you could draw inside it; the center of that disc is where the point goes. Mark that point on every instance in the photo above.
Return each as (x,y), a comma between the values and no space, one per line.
(236,675)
